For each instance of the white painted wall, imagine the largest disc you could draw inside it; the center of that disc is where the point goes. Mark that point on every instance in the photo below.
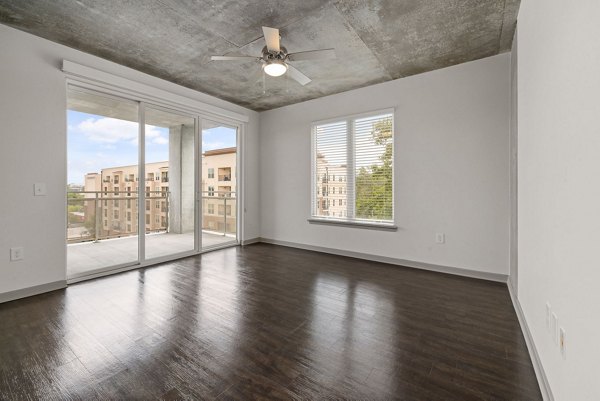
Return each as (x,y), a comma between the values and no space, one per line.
(452,168)
(514,165)
(33,149)
(559,186)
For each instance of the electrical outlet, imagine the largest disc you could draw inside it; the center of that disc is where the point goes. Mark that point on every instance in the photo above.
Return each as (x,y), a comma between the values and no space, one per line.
(562,342)
(554,328)
(548,315)
(440,238)
(16,253)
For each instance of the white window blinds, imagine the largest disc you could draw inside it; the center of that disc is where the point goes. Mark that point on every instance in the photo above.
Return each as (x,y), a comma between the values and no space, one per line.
(353,169)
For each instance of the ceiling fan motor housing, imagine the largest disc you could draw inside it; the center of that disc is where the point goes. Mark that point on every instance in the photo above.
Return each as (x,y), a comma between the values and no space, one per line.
(270,56)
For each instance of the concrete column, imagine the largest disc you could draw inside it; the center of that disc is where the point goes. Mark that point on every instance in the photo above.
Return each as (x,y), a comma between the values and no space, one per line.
(181,178)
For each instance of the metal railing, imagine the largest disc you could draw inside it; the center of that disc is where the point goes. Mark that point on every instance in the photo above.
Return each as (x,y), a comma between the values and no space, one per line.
(91,215)
(219,212)
(99,215)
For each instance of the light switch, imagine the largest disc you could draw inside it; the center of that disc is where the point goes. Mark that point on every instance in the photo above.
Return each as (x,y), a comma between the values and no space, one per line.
(39,189)
(16,253)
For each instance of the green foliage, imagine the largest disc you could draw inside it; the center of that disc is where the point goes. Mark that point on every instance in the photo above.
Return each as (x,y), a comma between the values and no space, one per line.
(374,184)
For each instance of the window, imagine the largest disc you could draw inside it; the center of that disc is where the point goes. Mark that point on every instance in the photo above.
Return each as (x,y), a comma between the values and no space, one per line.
(359,152)
(148,219)
(211,191)
(129,217)
(116,179)
(211,209)
(116,214)
(116,203)
(147,205)
(157,204)
(211,173)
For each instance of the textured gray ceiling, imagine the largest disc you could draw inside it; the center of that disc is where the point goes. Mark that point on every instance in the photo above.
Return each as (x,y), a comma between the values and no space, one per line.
(375,40)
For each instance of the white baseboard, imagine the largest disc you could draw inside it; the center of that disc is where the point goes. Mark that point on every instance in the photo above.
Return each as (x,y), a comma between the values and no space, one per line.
(30,291)
(394,261)
(533,354)
(250,241)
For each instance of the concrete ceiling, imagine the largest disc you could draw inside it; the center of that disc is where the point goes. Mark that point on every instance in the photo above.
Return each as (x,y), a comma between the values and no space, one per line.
(375,40)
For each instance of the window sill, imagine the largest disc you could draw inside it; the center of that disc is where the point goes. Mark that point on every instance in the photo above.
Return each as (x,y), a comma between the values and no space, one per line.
(355,224)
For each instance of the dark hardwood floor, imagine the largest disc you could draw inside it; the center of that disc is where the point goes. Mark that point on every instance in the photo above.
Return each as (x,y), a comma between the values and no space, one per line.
(267,322)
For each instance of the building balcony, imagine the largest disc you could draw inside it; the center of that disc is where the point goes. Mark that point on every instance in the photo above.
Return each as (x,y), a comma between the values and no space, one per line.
(96,239)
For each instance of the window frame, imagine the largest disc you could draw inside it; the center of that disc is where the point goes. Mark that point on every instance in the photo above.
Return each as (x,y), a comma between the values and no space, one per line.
(350,180)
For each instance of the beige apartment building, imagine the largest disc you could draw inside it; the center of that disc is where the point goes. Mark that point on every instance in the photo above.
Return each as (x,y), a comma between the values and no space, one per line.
(111,206)
(113,200)
(219,196)
(331,189)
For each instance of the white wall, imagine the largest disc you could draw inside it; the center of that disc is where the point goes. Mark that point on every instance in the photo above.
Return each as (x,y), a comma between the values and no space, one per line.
(514,165)
(559,186)
(33,149)
(452,168)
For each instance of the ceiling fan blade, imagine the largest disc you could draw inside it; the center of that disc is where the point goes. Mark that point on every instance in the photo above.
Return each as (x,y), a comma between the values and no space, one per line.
(272,39)
(233,58)
(295,74)
(312,55)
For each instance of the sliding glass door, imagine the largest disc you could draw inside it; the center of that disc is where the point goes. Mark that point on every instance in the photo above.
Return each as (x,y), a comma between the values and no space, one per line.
(219,184)
(134,168)
(103,149)
(169,207)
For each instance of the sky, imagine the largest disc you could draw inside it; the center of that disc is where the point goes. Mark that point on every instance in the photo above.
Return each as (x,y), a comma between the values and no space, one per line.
(95,142)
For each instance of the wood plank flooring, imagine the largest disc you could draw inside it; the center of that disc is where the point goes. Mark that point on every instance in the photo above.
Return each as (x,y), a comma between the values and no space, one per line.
(267,322)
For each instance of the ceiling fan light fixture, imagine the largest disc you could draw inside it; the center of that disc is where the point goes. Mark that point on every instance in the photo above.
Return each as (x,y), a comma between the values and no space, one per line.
(275,68)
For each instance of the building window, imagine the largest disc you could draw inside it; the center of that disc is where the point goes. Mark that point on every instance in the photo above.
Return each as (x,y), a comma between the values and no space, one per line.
(116,214)
(211,191)
(157,205)
(147,205)
(128,203)
(358,151)
(105,213)
(128,216)
(116,180)
(116,203)
(147,219)
(211,173)
(211,208)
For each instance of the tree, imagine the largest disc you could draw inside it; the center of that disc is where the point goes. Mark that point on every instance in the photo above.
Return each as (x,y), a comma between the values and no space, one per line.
(374,183)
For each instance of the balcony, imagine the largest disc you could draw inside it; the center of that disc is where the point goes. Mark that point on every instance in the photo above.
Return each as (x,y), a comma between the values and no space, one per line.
(224,177)
(96,239)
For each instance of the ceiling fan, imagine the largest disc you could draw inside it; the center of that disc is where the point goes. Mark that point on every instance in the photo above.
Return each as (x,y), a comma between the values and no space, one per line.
(275,58)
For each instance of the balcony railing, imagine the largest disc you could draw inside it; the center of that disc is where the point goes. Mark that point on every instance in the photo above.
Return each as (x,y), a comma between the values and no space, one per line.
(219,212)
(224,177)
(91,214)
(91,218)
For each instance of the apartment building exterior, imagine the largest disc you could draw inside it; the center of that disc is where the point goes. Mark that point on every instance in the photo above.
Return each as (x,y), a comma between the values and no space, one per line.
(111,197)
(219,190)
(331,199)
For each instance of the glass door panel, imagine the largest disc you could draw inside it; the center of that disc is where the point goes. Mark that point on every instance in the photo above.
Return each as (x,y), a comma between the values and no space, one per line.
(102,192)
(169,183)
(219,185)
